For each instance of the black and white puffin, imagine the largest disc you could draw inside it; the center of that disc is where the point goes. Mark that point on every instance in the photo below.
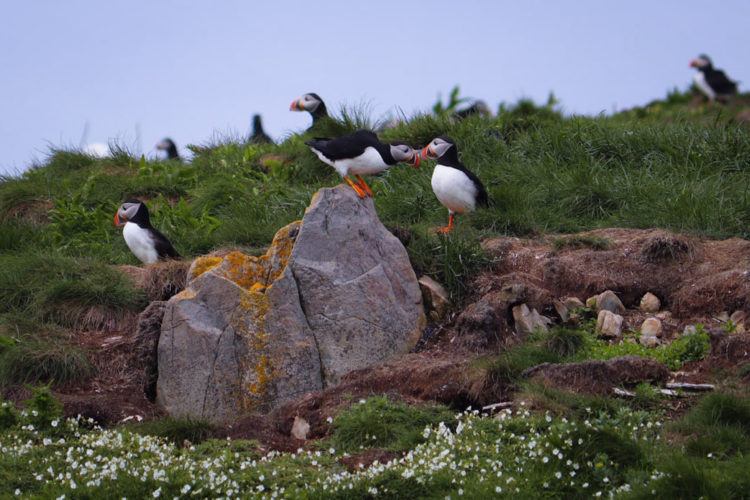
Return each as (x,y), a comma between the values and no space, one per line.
(313,104)
(478,107)
(714,83)
(146,242)
(362,153)
(170,147)
(459,190)
(259,136)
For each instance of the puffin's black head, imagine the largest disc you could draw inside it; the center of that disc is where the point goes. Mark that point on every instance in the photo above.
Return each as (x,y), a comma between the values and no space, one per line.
(438,147)
(402,152)
(257,124)
(169,146)
(132,211)
(311,102)
(701,62)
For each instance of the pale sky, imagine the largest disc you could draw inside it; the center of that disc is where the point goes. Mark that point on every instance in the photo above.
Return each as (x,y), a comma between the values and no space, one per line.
(188,70)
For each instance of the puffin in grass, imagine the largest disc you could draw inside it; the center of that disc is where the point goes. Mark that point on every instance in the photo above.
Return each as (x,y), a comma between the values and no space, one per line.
(362,153)
(714,83)
(313,104)
(145,241)
(458,189)
(170,148)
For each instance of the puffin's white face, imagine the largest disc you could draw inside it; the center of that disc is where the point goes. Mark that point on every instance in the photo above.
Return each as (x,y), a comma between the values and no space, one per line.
(162,145)
(700,62)
(307,102)
(436,148)
(126,212)
(404,153)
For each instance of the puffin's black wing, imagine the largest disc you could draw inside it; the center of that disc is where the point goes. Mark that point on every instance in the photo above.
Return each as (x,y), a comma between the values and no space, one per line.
(347,146)
(483,199)
(163,247)
(721,84)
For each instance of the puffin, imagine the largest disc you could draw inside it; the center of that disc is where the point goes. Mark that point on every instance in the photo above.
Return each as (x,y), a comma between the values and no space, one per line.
(478,107)
(313,104)
(146,242)
(714,83)
(458,189)
(170,147)
(258,135)
(362,153)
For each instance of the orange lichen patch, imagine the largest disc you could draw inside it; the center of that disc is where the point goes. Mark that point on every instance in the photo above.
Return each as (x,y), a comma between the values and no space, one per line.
(204,264)
(263,371)
(186,294)
(254,273)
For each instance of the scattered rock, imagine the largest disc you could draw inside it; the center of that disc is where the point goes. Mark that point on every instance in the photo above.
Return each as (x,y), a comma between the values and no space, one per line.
(738,318)
(649,340)
(690,330)
(333,293)
(650,303)
(527,321)
(591,302)
(300,428)
(435,296)
(663,315)
(598,377)
(609,324)
(608,301)
(567,305)
(651,327)
(147,336)
(723,316)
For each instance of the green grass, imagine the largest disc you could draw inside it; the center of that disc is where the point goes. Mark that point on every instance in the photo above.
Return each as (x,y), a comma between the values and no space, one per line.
(175,430)
(381,423)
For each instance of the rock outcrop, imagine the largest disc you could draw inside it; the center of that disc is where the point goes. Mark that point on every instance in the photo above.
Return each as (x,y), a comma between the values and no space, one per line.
(334,293)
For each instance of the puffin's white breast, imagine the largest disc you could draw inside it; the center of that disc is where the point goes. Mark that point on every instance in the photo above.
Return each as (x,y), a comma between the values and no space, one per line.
(140,243)
(455,190)
(700,81)
(368,163)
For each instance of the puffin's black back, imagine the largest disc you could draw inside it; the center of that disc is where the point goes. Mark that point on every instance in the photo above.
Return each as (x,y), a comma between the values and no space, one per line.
(162,245)
(347,146)
(259,136)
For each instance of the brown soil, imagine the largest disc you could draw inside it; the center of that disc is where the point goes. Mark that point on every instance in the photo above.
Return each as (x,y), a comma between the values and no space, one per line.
(694,278)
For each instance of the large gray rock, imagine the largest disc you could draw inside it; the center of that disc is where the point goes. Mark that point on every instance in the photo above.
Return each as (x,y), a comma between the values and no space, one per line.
(334,293)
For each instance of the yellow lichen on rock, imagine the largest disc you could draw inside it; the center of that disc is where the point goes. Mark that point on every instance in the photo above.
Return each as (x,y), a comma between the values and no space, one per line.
(203,264)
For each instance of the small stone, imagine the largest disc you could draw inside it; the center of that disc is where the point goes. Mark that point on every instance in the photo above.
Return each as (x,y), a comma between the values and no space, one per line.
(663,315)
(723,316)
(738,318)
(435,296)
(528,320)
(300,428)
(648,341)
(608,301)
(609,324)
(689,330)
(573,303)
(591,302)
(650,303)
(651,327)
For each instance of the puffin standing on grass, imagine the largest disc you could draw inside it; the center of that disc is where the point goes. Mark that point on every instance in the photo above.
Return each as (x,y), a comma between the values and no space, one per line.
(313,104)
(459,190)
(259,136)
(146,242)
(362,153)
(170,147)
(714,83)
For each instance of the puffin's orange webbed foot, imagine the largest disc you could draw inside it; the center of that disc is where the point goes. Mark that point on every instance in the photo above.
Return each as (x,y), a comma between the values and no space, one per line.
(364,186)
(447,229)
(356,188)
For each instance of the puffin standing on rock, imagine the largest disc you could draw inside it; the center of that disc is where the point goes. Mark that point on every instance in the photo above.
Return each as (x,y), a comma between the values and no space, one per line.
(146,242)
(362,153)
(459,190)
(313,104)
(714,83)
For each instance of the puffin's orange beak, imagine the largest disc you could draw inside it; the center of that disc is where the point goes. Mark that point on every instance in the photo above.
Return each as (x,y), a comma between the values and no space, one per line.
(117,221)
(416,159)
(694,63)
(427,152)
(295,106)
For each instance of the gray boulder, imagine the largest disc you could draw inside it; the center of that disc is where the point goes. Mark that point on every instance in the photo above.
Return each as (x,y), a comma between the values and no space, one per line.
(334,293)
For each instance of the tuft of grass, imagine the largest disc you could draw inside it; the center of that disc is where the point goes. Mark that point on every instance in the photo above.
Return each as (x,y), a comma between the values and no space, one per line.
(33,353)
(381,423)
(581,241)
(718,425)
(176,430)
(565,342)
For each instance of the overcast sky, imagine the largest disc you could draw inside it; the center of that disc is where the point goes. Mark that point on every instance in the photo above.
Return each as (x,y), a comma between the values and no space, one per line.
(137,69)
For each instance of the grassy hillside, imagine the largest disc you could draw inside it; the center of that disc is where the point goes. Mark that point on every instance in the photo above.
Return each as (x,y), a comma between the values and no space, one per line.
(544,173)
